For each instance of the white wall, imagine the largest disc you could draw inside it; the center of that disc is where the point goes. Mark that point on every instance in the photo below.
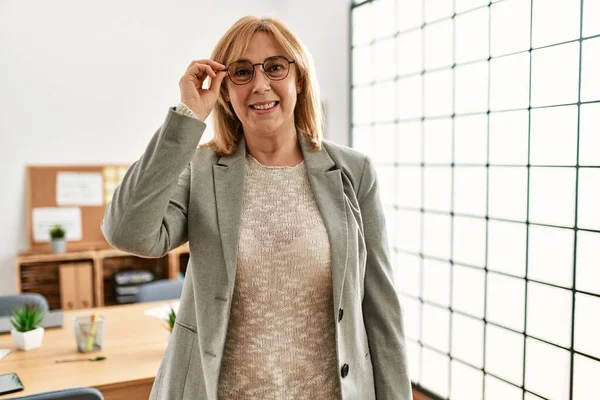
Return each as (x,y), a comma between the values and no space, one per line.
(86,82)
(323,26)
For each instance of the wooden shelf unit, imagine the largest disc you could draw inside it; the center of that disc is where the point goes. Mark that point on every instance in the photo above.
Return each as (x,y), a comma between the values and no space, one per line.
(84,274)
(63,278)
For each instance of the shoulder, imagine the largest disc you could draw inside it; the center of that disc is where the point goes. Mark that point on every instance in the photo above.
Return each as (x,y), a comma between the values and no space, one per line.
(354,164)
(346,158)
(343,153)
(205,156)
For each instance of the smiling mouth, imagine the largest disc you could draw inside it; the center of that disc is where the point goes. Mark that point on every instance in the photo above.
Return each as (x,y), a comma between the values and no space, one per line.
(266,106)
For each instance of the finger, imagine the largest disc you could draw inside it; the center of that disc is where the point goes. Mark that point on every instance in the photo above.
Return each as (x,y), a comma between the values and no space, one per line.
(197,73)
(201,70)
(215,83)
(215,65)
(212,63)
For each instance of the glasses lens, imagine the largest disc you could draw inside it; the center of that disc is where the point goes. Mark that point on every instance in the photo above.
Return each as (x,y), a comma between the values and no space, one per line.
(277,68)
(241,72)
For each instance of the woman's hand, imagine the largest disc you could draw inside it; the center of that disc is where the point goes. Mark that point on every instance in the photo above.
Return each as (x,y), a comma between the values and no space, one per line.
(201,101)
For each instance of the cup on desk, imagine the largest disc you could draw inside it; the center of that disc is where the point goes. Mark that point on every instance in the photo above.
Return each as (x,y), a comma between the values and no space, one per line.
(89,332)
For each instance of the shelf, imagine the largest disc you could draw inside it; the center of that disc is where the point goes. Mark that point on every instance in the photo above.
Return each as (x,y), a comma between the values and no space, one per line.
(39,272)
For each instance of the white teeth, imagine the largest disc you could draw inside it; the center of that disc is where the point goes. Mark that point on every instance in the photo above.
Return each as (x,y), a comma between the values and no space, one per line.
(264,106)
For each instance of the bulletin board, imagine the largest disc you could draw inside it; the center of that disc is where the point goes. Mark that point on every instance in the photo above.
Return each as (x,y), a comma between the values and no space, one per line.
(77,194)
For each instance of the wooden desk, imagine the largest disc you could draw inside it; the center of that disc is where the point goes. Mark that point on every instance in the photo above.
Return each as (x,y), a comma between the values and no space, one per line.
(134,344)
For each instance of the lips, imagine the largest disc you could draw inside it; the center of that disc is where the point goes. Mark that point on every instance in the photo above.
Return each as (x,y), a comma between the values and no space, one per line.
(264,105)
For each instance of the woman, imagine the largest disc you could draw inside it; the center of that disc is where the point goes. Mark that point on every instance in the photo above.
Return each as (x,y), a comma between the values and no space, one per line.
(289,292)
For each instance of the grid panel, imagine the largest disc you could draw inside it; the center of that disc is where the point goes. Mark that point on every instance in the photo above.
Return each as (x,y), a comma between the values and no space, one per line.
(484,135)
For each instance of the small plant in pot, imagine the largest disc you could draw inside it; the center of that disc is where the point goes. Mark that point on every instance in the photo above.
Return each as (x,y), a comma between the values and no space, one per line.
(27,333)
(58,239)
(170,320)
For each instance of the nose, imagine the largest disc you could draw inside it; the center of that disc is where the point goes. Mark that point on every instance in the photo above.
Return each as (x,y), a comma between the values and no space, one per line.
(260,83)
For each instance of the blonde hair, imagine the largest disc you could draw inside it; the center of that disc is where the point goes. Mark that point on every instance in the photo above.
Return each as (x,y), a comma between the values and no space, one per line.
(308,114)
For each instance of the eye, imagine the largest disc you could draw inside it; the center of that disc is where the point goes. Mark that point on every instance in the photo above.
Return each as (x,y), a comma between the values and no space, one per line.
(274,67)
(242,72)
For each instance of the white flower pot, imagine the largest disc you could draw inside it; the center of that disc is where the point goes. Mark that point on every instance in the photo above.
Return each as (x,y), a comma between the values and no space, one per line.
(28,340)
(59,245)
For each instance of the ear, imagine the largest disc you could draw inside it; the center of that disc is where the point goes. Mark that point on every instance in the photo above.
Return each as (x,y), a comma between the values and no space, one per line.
(225,91)
(299,86)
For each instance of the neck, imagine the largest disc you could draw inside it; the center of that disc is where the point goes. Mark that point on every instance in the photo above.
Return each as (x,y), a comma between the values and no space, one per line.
(279,149)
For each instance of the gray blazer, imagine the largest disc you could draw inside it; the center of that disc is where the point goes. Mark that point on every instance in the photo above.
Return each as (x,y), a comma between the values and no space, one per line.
(177,192)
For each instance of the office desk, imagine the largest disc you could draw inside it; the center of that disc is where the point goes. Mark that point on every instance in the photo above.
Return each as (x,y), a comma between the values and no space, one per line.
(134,344)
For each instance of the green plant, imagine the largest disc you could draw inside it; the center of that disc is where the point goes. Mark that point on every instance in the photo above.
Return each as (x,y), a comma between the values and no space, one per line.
(171,319)
(57,232)
(27,318)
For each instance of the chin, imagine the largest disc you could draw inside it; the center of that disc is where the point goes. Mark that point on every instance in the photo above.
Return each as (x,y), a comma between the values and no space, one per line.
(266,128)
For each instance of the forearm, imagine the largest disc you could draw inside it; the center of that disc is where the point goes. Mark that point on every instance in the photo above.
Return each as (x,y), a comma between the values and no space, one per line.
(149,207)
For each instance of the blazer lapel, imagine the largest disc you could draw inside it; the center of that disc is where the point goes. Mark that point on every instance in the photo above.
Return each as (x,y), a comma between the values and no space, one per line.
(229,187)
(326,183)
(327,186)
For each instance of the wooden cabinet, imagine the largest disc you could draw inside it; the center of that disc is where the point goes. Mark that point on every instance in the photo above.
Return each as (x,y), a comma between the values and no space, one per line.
(76,285)
(42,278)
(113,262)
(84,279)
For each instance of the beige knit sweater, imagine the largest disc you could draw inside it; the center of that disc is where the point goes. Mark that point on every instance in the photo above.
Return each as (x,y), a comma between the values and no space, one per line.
(281,335)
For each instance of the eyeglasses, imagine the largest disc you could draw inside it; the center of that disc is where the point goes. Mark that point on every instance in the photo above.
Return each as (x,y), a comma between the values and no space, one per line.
(242,72)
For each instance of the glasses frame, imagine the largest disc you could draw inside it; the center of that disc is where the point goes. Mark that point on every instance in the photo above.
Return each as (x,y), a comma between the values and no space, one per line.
(263,68)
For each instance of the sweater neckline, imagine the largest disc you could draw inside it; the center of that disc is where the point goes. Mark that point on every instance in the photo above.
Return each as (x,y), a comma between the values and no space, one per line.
(248,156)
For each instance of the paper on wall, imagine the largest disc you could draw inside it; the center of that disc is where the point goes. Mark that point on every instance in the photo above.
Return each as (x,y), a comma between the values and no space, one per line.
(79,189)
(45,218)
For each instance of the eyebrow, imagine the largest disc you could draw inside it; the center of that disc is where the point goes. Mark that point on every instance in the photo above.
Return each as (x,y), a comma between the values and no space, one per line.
(250,61)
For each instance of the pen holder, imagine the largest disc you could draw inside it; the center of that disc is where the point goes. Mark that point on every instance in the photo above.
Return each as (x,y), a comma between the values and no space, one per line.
(89,332)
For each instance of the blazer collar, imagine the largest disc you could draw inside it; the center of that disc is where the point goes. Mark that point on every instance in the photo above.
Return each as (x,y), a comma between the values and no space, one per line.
(316,160)
(327,186)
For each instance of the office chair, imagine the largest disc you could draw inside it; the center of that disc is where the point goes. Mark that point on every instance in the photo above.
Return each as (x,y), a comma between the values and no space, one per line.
(66,394)
(165,289)
(9,303)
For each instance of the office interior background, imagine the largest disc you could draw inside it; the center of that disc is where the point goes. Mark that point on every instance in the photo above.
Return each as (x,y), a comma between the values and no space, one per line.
(482,118)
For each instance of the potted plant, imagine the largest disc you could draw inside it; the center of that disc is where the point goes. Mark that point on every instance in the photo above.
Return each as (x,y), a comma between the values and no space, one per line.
(58,239)
(27,333)
(170,321)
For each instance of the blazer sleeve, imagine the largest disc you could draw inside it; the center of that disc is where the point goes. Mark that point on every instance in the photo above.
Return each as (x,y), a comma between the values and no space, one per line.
(382,312)
(147,215)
